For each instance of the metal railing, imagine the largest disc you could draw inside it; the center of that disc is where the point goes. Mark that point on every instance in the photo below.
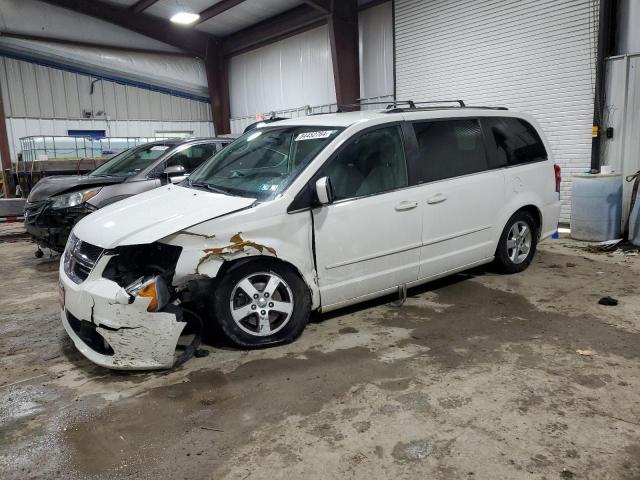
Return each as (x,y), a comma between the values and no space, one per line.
(238,124)
(49,147)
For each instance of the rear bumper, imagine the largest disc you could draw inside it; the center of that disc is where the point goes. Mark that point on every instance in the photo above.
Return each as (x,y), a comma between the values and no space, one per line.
(550,219)
(113,333)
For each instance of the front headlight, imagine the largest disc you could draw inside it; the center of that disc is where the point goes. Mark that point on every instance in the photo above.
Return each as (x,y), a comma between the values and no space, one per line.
(154,288)
(74,199)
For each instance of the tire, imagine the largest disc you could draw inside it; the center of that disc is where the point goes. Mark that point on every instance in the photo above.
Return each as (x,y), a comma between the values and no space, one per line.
(261,303)
(517,247)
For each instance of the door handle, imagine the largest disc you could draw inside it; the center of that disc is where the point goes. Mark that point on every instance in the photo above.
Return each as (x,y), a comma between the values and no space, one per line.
(437,198)
(402,206)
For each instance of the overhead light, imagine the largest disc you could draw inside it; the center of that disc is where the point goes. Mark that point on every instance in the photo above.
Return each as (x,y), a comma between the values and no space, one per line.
(185,18)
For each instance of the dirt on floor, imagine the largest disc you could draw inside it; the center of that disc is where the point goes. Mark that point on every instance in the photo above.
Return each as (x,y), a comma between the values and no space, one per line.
(478,376)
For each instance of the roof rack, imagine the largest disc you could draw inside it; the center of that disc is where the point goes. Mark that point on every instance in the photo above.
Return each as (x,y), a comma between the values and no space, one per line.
(398,106)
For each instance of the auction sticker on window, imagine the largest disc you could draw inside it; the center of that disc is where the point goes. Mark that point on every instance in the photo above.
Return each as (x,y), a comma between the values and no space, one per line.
(314,135)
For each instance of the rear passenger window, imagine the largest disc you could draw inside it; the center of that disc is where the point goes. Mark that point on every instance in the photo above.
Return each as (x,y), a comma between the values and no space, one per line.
(449,148)
(516,141)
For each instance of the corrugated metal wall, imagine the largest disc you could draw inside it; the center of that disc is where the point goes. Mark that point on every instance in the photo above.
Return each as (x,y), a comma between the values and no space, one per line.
(297,71)
(536,56)
(375,26)
(286,74)
(40,100)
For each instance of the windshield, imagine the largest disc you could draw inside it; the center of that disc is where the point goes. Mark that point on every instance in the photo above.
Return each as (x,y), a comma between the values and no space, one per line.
(130,162)
(262,163)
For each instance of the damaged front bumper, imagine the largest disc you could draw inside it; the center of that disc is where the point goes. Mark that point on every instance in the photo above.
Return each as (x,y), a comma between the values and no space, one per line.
(112,332)
(50,228)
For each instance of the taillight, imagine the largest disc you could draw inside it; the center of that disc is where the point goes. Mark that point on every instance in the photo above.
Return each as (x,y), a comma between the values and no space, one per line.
(556,169)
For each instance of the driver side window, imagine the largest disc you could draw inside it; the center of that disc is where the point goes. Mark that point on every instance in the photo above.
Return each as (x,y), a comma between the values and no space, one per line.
(372,163)
(191,157)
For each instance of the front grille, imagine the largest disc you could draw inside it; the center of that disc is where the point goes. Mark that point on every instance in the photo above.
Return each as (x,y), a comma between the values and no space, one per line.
(80,258)
(89,335)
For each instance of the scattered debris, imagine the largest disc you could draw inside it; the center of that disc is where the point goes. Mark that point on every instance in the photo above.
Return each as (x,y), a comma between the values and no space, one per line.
(608,301)
(585,353)
(204,427)
(618,246)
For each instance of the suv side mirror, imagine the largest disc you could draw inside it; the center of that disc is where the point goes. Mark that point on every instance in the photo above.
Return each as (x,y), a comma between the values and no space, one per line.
(324,191)
(175,173)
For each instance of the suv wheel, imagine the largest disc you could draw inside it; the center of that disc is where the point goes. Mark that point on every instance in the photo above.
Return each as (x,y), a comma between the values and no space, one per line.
(517,244)
(261,303)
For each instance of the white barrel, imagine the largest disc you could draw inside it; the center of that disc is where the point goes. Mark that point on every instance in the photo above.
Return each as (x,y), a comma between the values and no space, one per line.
(596,207)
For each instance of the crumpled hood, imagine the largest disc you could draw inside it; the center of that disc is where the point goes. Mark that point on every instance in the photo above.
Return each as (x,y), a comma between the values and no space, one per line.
(153,215)
(50,186)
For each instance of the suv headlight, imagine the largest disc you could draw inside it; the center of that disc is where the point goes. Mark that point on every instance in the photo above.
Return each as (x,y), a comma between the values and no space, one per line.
(154,288)
(74,199)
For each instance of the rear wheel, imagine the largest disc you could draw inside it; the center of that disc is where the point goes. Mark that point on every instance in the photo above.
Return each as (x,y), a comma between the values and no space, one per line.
(261,303)
(517,244)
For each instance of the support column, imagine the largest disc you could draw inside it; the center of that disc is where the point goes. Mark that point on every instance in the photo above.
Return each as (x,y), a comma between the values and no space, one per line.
(5,153)
(218,81)
(343,34)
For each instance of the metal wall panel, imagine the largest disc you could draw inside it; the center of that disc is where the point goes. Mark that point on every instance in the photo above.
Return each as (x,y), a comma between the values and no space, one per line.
(376,51)
(286,74)
(41,100)
(533,56)
(35,91)
(622,107)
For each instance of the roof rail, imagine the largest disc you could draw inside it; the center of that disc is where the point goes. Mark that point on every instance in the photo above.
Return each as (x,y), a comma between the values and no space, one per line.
(397,106)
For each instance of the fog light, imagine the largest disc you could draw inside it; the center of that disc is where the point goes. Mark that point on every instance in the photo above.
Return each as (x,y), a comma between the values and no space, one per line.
(154,288)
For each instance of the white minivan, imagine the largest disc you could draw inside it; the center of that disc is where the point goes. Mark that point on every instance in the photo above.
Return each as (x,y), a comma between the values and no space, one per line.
(306,214)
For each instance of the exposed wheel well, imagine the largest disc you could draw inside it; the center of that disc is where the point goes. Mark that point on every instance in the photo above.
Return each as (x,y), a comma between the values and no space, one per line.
(535,213)
(230,264)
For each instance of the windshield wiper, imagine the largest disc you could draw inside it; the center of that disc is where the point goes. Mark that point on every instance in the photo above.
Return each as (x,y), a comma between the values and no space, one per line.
(208,186)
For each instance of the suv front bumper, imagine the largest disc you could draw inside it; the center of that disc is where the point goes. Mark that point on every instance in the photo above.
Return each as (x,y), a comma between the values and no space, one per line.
(112,332)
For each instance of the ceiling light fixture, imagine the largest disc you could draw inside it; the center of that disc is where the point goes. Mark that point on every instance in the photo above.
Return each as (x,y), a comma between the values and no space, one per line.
(185,18)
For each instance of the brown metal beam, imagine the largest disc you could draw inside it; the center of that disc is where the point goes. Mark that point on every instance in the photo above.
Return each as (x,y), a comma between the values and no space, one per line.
(187,40)
(323,6)
(218,82)
(291,22)
(343,37)
(217,9)
(5,152)
(142,5)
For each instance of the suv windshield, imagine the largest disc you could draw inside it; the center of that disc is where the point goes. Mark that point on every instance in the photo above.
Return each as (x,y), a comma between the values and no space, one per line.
(130,162)
(262,163)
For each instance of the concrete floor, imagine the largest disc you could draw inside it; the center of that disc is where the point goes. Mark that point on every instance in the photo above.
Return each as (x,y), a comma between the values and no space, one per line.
(478,376)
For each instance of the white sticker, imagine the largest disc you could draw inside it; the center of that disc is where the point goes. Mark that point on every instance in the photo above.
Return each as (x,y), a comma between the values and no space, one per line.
(314,135)
(162,148)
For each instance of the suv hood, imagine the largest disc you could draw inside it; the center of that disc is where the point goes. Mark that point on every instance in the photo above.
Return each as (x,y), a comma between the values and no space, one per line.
(155,214)
(50,186)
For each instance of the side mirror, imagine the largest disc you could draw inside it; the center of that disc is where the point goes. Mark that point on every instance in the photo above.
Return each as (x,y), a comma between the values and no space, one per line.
(324,191)
(175,173)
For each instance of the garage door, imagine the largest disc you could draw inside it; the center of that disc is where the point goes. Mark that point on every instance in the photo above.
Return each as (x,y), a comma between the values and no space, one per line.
(533,56)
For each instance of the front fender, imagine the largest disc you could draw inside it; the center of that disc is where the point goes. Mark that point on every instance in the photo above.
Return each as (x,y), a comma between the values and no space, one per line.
(207,246)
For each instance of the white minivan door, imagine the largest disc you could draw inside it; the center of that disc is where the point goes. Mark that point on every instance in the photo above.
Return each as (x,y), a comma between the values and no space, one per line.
(368,239)
(461,199)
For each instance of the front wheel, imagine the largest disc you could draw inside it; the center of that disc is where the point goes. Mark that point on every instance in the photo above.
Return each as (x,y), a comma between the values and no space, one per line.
(261,303)
(517,244)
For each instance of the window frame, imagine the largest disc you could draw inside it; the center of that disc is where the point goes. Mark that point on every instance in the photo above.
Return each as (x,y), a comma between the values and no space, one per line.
(306,197)
(490,142)
(483,140)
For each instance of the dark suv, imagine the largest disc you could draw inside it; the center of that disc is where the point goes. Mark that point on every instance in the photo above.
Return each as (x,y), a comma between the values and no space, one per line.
(57,203)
